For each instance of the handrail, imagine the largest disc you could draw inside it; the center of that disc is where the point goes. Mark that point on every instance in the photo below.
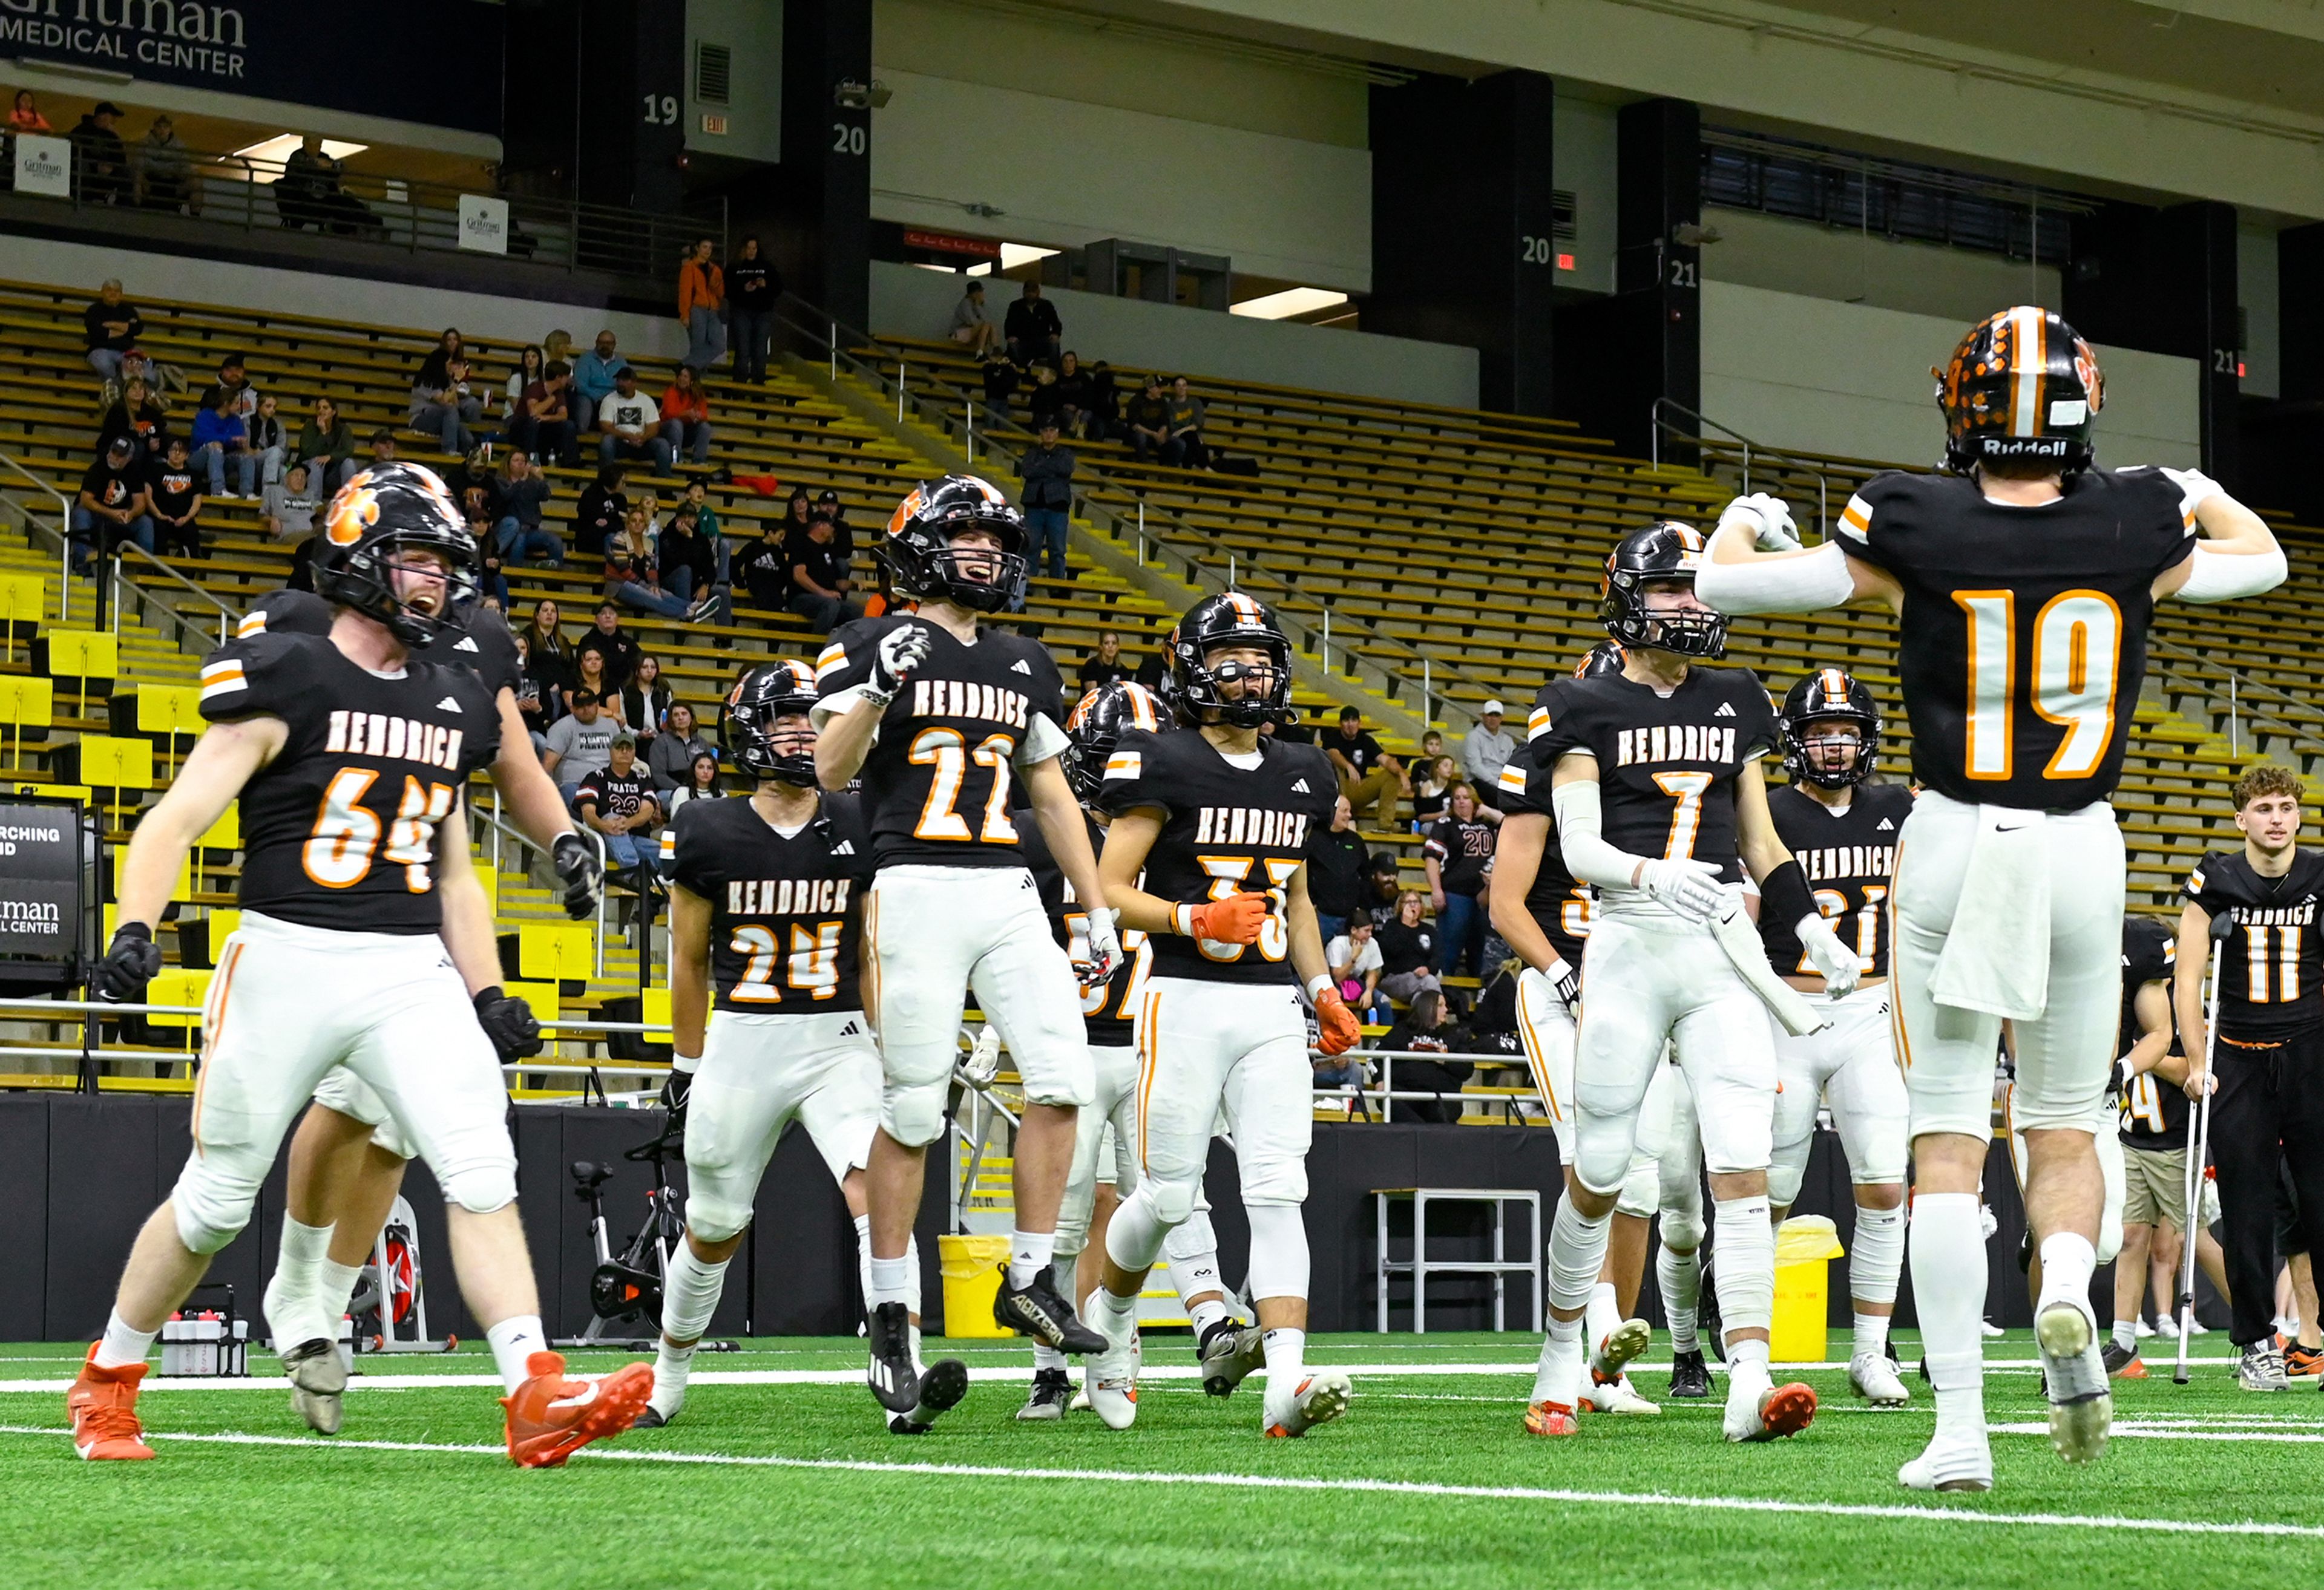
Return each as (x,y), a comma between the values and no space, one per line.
(492,820)
(1658,424)
(227,617)
(2163,656)
(64,535)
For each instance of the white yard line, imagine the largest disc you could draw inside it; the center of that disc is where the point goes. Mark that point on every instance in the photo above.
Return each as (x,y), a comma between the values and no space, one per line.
(1255,1481)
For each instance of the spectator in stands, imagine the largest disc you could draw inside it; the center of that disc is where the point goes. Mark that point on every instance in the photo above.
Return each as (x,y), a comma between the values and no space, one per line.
(518,533)
(1428,1028)
(580,743)
(618,801)
(540,420)
(1408,944)
(548,657)
(633,579)
(312,192)
(1149,420)
(1458,856)
(629,424)
(1354,958)
(767,570)
(111,506)
(1103,666)
(557,344)
(969,324)
(111,326)
(602,508)
(702,305)
(1184,444)
(443,403)
(1103,419)
(382,447)
(1000,377)
(1337,860)
(494,582)
(671,757)
(796,512)
(700,783)
(135,365)
(1032,330)
(474,485)
(644,700)
(1073,394)
(1431,782)
(594,373)
(753,287)
(1368,774)
(233,379)
(288,505)
(100,160)
(221,435)
(327,445)
(1382,886)
(135,414)
(1048,472)
(706,525)
(1045,405)
(1486,749)
(615,647)
(532,367)
(24,116)
(686,416)
(175,498)
(165,170)
(688,565)
(820,577)
(532,697)
(269,441)
(827,503)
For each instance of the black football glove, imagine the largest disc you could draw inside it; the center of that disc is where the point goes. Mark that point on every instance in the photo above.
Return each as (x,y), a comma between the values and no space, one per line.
(508,1022)
(132,962)
(576,861)
(675,1089)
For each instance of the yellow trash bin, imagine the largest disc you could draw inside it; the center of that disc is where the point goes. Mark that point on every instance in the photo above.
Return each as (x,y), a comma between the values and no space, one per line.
(972,1267)
(1805,1247)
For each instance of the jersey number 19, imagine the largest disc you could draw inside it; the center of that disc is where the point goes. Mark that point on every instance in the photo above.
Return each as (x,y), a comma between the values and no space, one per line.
(2076,662)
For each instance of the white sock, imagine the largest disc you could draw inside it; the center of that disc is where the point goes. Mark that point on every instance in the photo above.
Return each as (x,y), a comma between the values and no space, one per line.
(1746,1262)
(1947,1253)
(1206,1314)
(1287,1351)
(121,1343)
(889,1282)
(2067,1261)
(513,1342)
(1577,1252)
(1045,1356)
(1878,1259)
(1747,1375)
(1601,1317)
(863,1256)
(689,1294)
(338,1289)
(2125,1335)
(1560,1341)
(298,1267)
(1680,1276)
(1871,1336)
(1123,1309)
(1029,1253)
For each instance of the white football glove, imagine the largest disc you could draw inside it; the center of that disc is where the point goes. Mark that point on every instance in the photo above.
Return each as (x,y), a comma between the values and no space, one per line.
(984,1062)
(1104,948)
(1825,952)
(1565,988)
(900,650)
(1768,518)
(1687,888)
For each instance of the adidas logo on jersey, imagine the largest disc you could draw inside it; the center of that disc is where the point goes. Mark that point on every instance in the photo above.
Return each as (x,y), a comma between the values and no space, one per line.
(376,734)
(465,643)
(786,897)
(447,705)
(1725,710)
(850,1031)
(1888,825)
(845,847)
(1299,786)
(963,698)
(1018,666)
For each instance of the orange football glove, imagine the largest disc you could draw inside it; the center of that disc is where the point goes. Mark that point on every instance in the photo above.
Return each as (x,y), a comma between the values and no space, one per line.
(1338,1027)
(1235,920)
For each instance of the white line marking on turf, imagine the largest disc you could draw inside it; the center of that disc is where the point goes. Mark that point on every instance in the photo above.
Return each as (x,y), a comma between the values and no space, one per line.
(1258,1481)
(2137,1428)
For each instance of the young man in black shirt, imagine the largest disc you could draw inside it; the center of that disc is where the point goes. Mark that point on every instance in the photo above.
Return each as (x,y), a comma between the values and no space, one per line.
(1337,861)
(820,576)
(111,506)
(175,497)
(2269,1052)
(1368,775)
(753,287)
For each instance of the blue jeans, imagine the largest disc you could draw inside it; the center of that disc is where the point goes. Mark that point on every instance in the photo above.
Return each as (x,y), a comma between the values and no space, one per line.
(691,434)
(1461,934)
(546,437)
(1045,531)
(450,422)
(519,542)
(612,448)
(1330,927)
(623,853)
(751,328)
(212,457)
(106,362)
(666,603)
(705,337)
(85,528)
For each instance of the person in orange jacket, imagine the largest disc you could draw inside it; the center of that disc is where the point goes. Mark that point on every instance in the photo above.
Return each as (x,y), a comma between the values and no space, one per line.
(702,305)
(685,415)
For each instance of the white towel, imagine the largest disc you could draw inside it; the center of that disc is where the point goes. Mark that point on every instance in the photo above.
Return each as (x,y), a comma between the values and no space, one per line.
(1996,953)
(1738,937)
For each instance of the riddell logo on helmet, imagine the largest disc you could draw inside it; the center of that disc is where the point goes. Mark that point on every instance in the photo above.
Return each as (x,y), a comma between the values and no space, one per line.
(2024,446)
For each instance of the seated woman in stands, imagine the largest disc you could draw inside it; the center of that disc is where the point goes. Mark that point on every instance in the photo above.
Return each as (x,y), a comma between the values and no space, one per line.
(1428,1028)
(686,416)
(328,446)
(633,579)
(645,699)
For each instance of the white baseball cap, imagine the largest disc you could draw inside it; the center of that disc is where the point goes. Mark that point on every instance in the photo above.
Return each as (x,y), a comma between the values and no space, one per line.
(1492,707)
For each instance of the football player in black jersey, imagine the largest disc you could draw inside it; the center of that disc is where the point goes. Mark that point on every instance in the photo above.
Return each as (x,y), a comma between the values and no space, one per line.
(364,941)
(2268,1105)
(1215,816)
(941,715)
(2150,1086)
(2024,584)
(1653,775)
(1841,828)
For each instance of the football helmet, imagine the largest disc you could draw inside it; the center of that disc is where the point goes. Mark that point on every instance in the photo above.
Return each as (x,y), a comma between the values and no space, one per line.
(1823,696)
(1663,550)
(922,563)
(2023,384)
(1228,619)
(1605,657)
(747,718)
(381,512)
(1097,721)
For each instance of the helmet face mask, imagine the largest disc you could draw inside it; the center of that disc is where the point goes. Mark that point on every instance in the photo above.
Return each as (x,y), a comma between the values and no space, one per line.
(758,724)
(393,549)
(924,556)
(1643,564)
(1213,677)
(1095,726)
(2020,393)
(1831,729)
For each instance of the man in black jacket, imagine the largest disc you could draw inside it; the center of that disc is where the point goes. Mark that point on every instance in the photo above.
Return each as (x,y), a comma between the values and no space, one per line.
(1032,329)
(101,162)
(752,286)
(1337,861)
(112,324)
(1047,473)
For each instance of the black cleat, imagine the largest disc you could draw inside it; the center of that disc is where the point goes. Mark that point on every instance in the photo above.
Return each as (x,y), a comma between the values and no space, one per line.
(1690,1376)
(1230,1353)
(892,1376)
(1708,1325)
(941,1389)
(1052,1390)
(1039,1311)
(650,1419)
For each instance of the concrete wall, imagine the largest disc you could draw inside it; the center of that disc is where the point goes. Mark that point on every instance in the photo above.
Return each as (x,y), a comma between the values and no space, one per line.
(909,301)
(1853,379)
(1584,151)
(753,31)
(1801,257)
(2257,284)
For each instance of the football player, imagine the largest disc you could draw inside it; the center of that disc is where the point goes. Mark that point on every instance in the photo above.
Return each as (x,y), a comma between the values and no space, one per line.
(941,715)
(1653,775)
(2150,1088)
(2024,584)
(1216,818)
(347,1156)
(366,941)
(1842,828)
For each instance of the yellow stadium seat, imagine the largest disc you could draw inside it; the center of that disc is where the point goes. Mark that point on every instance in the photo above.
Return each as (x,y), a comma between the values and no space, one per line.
(27,704)
(555,951)
(653,1006)
(177,986)
(169,708)
(543,998)
(80,655)
(104,762)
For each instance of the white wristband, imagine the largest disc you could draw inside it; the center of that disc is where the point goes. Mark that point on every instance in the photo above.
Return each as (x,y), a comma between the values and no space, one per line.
(684,1062)
(1182,921)
(1318,983)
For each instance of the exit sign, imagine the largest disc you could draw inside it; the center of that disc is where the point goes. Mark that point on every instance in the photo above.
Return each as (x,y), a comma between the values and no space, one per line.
(715,124)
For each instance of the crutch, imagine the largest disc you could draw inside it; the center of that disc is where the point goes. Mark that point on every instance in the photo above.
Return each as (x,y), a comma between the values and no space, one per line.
(2199,1146)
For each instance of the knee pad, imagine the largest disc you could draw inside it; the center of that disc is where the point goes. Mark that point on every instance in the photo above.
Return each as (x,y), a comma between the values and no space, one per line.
(1275,1181)
(1191,1238)
(1601,1151)
(913,1112)
(484,1186)
(1642,1190)
(1785,1171)
(1172,1201)
(710,1214)
(1681,1229)
(212,1203)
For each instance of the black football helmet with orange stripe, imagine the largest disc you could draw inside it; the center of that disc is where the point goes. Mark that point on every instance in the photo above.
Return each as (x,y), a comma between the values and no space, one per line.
(1228,619)
(1663,550)
(748,716)
(924,564)
(1813,753)
(1605,657)
(381,514)
(1095,726)
(2022,388)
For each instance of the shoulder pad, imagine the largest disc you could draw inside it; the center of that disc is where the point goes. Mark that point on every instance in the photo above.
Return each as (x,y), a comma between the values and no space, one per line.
(262,674)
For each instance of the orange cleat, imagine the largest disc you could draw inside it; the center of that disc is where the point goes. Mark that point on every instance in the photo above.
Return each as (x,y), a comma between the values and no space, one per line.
(1550,1419)
(2300,1362)
(103,1403)
(1786,1412)
(551,1416)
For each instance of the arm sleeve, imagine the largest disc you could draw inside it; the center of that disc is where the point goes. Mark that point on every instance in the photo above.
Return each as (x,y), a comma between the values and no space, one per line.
(1133,776)
(1807,582)
(2224,576)
(1587,854)
(1434,846)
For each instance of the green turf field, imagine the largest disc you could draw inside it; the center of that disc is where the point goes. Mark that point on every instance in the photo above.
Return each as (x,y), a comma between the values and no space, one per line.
(785,1479)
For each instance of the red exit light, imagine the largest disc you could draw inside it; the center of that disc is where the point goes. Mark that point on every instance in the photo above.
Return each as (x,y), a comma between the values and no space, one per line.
(1565,261)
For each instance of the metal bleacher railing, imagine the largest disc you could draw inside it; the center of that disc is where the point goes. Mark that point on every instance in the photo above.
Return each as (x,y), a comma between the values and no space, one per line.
(1737,451)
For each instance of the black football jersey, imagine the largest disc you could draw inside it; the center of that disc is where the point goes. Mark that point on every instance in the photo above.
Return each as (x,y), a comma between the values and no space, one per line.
(2153,1112)
(785,914)
(1559,905)
(1848,858)
(285,612)
(2270,966)
(1108,1010)
(937,781)
(1228,830)
(1666,764)
(485,648)
(2023,641)
(340,830)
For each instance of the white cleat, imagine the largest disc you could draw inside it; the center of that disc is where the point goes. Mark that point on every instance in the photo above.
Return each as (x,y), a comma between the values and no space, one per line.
(317,1377)
(1950,1465)
(1080,1404)
(1876,1381)
(1617,1396)
(1762,1412)
(2082,1403)
(1609,1390)
(1321,1397)
(1110,1379)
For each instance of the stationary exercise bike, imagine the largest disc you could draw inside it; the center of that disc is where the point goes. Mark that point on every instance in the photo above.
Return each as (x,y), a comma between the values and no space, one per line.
(625,1291)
